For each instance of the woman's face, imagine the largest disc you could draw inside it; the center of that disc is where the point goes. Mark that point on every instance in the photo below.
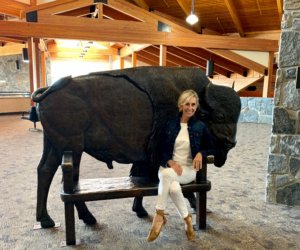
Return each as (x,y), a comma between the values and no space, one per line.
(189,108)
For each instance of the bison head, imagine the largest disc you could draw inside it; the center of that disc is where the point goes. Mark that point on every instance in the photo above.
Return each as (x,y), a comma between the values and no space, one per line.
(220,109)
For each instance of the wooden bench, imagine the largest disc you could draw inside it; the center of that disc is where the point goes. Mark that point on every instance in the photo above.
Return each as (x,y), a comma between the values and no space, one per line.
(121,187)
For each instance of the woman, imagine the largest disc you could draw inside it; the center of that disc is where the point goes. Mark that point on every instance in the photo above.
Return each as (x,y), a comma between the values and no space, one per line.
(185,142)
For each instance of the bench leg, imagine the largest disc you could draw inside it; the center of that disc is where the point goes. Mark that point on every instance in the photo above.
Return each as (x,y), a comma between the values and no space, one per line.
(70,223)
(201,210)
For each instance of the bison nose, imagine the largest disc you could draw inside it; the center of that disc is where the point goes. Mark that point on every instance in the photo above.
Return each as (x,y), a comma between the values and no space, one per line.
(229,144)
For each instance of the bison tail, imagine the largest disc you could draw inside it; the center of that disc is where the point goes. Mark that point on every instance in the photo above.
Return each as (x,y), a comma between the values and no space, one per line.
(41,93)
(38,95)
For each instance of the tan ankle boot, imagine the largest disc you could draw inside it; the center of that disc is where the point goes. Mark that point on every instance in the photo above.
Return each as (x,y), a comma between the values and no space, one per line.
(189,229)
(158,221)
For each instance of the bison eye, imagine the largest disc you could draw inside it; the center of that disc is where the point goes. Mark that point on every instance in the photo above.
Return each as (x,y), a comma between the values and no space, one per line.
(203,114)
(220,117)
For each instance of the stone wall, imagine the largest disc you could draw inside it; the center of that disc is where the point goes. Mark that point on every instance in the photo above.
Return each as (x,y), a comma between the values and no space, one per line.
(283,181)
(17,79)
(256,110)
(13,79)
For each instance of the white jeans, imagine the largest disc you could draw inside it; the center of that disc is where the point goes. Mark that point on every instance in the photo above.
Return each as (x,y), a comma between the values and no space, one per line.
(169,184)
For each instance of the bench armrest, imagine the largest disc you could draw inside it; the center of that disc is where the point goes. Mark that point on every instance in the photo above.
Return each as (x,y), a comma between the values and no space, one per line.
(67,169)
(202,174)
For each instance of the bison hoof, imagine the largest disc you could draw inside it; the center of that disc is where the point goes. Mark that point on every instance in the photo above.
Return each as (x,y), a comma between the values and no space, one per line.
(47,223)
(88,219)
(140,211)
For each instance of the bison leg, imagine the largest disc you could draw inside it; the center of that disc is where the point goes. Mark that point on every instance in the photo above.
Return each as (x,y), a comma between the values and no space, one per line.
(139,169)
(46,169)
(83,212)
(191,198)
(138,207)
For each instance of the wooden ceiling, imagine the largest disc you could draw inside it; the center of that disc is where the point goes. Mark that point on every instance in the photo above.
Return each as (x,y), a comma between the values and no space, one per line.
(224,27)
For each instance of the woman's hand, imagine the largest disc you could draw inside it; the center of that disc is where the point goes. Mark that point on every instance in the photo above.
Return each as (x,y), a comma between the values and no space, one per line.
(175,166)
(197,162)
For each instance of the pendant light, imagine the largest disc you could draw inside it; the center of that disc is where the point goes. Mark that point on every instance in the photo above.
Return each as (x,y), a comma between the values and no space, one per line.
(210,68)
(192,18)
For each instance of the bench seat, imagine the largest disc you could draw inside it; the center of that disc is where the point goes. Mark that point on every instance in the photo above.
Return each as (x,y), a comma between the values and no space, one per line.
(121,187)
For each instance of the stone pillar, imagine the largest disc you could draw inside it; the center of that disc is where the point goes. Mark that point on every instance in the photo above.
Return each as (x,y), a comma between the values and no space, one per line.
(283,182)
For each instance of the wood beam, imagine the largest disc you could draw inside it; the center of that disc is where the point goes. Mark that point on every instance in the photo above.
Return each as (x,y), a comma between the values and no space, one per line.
(133,59)
(50,7)
(152,53)
(173,19)
(54,48)
(144,15)
(131,10)
(114,14)
(43,70)
(84,11)
(280,9)
(268,79)
(235,18)
(173,58)
(128,9)
(185,6)
(113,31)
(162,55)
(144,57)
(13,4)
(12,8)
(11,49)
(242,60)
(142,4)
(121,62)
(12,40)
(239,83)
(196,60)
(31,67)
(33,2)
(146,60)
(99,10)
(218,60)
(92,23)
(270,35)
(128,49)
(43,48)
(87,57)
(154,59)
(37,62)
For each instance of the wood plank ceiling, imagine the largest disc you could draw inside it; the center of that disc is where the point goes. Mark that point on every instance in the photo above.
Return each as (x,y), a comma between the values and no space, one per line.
(253,19)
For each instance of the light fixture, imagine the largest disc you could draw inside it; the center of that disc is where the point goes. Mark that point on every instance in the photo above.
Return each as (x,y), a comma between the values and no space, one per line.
(192,18)
(210,68)
(25,55)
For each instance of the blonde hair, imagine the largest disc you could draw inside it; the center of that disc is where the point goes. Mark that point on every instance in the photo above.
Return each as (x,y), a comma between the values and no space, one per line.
(185,96)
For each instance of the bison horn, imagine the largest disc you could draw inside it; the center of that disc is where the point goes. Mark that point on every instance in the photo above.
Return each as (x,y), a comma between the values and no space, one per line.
(109,165)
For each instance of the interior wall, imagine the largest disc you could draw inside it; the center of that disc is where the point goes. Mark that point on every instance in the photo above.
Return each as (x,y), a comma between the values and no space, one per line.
(14,74)
(283,182)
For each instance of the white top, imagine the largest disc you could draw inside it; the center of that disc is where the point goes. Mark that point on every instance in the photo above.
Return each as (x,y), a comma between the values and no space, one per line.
(182,150)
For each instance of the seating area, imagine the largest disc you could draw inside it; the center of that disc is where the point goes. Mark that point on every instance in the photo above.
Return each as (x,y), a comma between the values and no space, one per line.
(121,187)
(33,117)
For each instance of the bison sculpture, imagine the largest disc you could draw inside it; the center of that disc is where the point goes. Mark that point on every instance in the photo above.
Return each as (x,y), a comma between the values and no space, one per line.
(118,115)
